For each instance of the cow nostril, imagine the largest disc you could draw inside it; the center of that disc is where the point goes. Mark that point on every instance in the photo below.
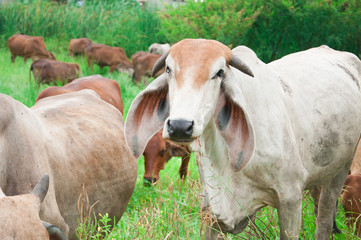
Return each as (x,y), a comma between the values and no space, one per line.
(189,130)
(180,130)
(170,129)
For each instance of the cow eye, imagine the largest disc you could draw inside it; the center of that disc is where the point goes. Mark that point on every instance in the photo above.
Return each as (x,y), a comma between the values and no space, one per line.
(162,152)
(219,74)
(167,69)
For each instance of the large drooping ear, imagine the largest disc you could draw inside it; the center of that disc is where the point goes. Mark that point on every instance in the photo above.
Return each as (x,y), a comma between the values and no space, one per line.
(234,125)
(146,115)
(41,188)
(55,233)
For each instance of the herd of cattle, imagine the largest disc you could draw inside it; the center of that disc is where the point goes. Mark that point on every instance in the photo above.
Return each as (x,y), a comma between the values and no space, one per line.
(47,69)
(73,135)
(264,133)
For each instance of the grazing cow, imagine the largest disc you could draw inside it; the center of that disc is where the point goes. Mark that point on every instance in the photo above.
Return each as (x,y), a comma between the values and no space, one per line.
(351,196)
(143,64)
(104,55)
(158,152)
(159,49)
(107,89)
(28,47)
(77,46)
(47,71)
(265,132)
(77,139)
(20,215)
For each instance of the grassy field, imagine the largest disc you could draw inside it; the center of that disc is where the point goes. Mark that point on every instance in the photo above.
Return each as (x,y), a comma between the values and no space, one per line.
(171,209)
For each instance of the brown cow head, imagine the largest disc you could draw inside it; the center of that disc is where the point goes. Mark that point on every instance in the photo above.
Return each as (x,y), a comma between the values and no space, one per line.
(157,153)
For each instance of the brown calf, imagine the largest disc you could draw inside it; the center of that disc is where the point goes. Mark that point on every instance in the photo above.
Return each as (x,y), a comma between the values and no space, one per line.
(157,154)
(143,63)
(47,71)
(77,46)
(107,89)
(28,47)
(104,55)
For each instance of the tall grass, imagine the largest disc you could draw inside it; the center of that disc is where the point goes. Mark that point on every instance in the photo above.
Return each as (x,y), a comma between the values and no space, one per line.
(121,23)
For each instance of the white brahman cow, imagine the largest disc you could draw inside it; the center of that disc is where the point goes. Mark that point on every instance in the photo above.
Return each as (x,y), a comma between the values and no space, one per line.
(77,139)
(265,132)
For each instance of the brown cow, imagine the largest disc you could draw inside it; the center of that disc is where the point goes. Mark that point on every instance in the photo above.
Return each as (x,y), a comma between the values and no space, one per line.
(20,215)
(157,154)
(351,196)
(47,71)
(107,89)
(104,55)
(77,46)
(77,139)
(143,63)
(28,47)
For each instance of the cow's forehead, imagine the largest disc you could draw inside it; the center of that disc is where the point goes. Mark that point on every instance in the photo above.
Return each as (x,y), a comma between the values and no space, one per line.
(197,56)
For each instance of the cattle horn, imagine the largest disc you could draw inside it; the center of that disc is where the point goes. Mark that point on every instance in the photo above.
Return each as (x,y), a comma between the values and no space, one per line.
(41,187)
(159,64)
(54,232)
(240,65)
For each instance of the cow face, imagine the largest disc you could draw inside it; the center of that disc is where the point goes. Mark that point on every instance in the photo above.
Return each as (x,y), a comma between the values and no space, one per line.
(155,158)
(195,91)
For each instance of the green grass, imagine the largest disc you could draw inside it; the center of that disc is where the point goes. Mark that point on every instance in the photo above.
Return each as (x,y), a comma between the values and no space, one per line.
(170,209)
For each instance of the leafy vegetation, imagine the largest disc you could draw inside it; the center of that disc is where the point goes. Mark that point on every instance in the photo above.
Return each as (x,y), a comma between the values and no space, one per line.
(271,28)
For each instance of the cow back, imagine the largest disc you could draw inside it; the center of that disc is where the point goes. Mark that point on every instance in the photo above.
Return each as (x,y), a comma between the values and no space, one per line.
(107,89)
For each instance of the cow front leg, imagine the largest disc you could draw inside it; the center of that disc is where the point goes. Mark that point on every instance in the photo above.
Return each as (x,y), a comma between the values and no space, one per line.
(183,170)
(326,206)
(290,215)
(112,68)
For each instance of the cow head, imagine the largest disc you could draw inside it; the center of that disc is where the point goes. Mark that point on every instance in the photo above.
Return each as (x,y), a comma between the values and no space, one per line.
(157,153)
(155,157)
(20,215)
(196,90)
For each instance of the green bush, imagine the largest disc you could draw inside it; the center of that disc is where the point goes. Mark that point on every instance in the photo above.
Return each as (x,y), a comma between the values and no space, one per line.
(271,28)
(115,23)
(223,20)
(284,27)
